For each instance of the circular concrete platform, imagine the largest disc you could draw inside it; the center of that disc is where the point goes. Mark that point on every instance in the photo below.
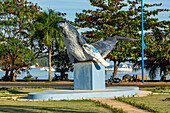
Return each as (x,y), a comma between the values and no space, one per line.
(57,94)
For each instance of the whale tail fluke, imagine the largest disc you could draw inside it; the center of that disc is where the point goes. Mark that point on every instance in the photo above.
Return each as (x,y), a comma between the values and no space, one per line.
(123,38)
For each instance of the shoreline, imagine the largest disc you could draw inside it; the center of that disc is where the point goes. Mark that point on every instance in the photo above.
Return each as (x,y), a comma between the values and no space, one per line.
(69,84)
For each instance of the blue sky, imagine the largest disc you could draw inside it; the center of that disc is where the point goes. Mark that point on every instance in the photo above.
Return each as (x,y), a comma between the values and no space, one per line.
(72,6)
(65,6)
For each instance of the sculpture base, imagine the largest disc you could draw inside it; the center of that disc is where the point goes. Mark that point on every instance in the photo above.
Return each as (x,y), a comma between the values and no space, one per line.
(89,76)
(59,94)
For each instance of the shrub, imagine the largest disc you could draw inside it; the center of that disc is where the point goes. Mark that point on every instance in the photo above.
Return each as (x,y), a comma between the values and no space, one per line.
(4,91)
(28,78)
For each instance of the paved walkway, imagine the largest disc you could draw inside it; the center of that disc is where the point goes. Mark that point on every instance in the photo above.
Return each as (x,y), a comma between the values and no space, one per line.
(121,105)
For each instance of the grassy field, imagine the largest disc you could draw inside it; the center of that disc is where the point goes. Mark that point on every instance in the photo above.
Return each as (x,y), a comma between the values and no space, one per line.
(17,106)
(153,102)
(165,89)
(11,106)
(20,91)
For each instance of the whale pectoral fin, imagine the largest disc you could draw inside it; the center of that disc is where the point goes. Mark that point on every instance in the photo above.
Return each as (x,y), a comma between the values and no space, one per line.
(70,57)
(89,49)
(93,52)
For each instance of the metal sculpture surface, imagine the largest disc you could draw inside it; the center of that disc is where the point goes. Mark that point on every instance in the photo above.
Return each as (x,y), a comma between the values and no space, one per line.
(77,47)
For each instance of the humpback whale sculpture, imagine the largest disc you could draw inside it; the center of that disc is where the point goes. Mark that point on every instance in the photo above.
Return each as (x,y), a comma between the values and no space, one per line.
(77,47)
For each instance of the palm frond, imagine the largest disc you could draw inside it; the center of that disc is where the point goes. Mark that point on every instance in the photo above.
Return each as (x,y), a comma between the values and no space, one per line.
(153,72)
(149,66)
(45,29)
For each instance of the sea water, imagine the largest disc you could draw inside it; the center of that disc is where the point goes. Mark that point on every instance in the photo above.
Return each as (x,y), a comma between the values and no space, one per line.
(43,75)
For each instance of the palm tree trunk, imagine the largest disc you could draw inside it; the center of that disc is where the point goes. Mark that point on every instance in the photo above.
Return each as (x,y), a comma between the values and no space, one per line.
(49,62)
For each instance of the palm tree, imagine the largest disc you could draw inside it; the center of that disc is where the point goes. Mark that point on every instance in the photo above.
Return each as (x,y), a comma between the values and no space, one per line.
(157,55)
(46,32)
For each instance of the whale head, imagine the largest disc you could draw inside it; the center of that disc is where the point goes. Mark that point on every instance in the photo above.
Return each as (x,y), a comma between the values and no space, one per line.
(68,30)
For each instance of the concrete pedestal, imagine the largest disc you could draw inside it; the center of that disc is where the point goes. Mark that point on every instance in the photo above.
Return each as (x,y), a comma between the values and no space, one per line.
(89,76)
(89,81)
(59,94)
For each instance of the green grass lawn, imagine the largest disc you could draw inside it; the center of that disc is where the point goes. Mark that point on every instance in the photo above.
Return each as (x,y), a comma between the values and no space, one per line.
(157,89)
(86,106)
(21,91)
(154,102)
(8,105)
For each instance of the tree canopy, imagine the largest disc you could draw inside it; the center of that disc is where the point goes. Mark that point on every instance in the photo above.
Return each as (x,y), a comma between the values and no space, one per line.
(62,62)
(117,17)
(16,20)
(46,34)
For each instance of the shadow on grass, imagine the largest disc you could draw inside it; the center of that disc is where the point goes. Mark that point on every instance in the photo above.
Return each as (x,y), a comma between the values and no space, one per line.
(13,91)
(37,109)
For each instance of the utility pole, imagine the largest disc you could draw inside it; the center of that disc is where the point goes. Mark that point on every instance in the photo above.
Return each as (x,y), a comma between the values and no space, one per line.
(142,41)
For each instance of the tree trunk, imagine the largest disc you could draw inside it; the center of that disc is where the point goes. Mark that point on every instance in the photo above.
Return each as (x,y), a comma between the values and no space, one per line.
(6,77)
(6,73)
(166,73)
(11,78)
(15,73)
(115,69)
(62,75)
(49,62)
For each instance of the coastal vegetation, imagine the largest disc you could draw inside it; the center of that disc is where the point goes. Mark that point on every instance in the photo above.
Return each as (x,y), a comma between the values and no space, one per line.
(43,62)
(16,20)
(116,17)
(24,37)
(46,33)
(157,52)
(62,63)
(29,34)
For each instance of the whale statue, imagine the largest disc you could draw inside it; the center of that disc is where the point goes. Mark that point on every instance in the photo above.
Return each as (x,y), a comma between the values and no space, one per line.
(77,47)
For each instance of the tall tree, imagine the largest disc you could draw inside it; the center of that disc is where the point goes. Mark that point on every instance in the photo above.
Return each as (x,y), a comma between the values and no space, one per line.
(157,53)
(14,54)
(46,32)
(62,62)
(117,17)
(16,20)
